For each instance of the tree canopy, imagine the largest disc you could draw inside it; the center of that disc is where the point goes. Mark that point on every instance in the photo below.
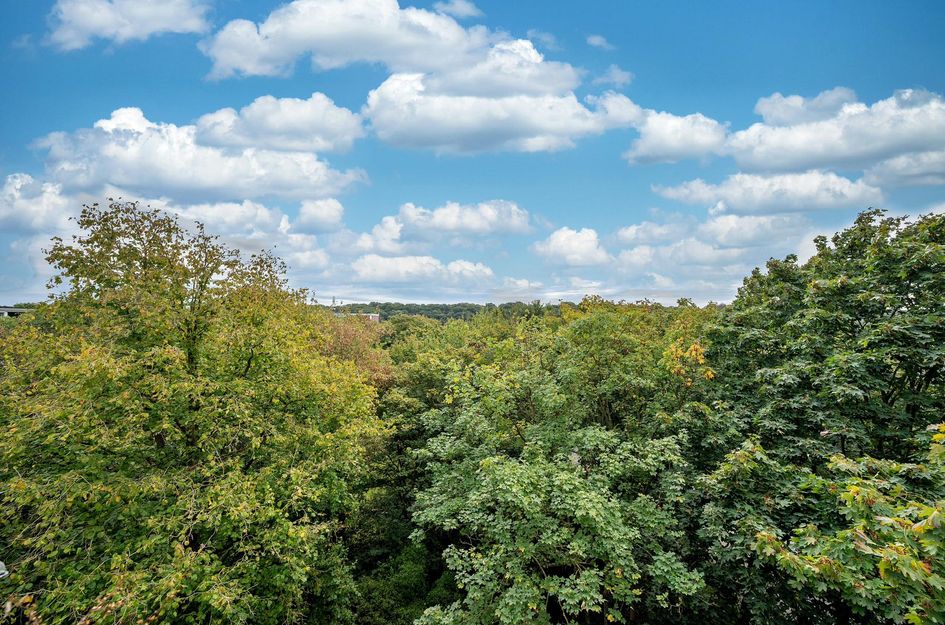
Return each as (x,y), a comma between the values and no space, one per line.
(187,439)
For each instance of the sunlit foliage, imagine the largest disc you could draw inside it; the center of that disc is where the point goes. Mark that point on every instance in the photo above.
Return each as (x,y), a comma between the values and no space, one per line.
(188,440)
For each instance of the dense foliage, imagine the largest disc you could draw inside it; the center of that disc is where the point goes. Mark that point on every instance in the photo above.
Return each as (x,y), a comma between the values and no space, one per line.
(188,440)
(443,312)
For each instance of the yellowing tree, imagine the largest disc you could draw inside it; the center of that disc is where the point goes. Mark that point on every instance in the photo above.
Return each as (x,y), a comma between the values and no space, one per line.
(178,445)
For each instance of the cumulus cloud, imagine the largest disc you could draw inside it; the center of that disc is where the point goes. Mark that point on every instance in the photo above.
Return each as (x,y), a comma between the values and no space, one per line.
(599,41)
(614,76)
(521,285)
(508,68)
(314,124)
(909,170)
(510,99)
(414,226)
(251,227)
(336,33)
(375,268)
(897,140)
(384,237)
(458,8)
(575,248)
(781,110)
(75,23)
(492,217)
(453,89)
(697,265)
(404,113)
(246,219)
(29,205)
(676,257)
(578,282)
(752,193)
(720,231)
(319,215)
(911,120)
(668,138)
(129,151)
(652,232)
(750,230)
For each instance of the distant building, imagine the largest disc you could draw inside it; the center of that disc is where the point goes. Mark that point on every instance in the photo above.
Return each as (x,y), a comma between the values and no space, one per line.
(375,317)
(9,311)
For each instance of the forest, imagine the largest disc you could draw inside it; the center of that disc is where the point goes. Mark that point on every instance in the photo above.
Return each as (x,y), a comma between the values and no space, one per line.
(445,312)
(186,439)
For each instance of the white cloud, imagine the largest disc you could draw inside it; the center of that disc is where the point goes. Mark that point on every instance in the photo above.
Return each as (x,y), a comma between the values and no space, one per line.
(599,41)
(403,113)
(453,89)
(129,151)
(249,226)
(583,283)
(652,232)
(492,217)
(660,281)
(384,237)
(415,227)
(374,268)
(75,23)
(668,138)
(677,258)
(689,267)
(751,193)
(781,110)
(521,285)
(306,259)
(575,248)
(314,125)
(898,139)
(252,227)
(458,8)
(718,231)
(29,205)
(909,170)
(467,270)
(750,230)
(614,76)
(637,258)
(508,68)
(337,33)
(319,215)
(693,251)
(857,135)
(244,219)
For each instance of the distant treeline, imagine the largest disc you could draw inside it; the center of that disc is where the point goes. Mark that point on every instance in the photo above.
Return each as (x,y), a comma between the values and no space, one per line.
(445,312)
(466,311)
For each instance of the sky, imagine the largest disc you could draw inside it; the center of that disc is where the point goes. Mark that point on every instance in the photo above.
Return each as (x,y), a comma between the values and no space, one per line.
(456,151)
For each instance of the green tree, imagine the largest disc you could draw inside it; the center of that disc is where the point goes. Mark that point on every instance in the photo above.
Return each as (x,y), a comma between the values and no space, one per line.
(179,444)
(845,353)
(833,370)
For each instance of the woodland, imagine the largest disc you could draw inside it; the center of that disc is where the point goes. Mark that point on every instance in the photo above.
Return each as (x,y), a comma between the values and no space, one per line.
(186,439)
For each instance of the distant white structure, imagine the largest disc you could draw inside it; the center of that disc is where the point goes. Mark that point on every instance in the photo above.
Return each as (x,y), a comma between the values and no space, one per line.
(9,311)
(375,317)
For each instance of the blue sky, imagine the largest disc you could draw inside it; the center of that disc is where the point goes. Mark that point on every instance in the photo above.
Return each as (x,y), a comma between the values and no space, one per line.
(487,151)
